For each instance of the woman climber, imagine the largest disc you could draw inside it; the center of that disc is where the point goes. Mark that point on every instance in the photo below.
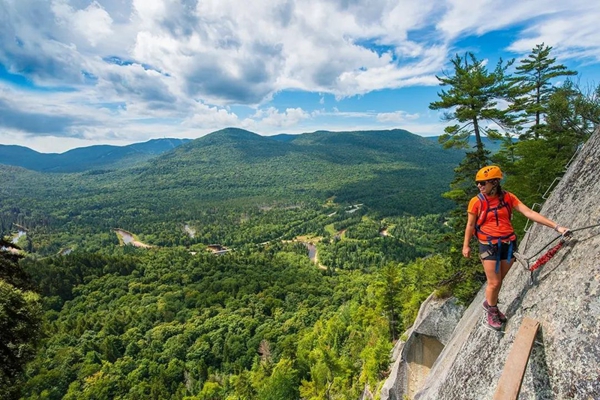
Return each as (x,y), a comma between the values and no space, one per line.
(489,214)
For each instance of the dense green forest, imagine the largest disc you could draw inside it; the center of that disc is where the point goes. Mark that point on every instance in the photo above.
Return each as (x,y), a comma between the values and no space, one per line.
(332,239)
(221,181)
(263,320)
(166,324)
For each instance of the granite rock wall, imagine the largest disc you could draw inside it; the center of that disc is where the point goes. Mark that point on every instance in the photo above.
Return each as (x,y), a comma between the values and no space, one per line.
(564,298)
(425,340)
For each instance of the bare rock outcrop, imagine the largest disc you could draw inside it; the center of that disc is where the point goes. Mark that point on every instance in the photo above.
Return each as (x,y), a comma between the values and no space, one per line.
(564,298)
(425,340)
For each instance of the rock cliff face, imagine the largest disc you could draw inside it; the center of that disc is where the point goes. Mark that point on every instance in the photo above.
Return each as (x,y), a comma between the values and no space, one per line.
(564,298)
(425,340)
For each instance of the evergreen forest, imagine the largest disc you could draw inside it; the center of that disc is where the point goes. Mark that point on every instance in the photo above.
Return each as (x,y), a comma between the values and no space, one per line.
(237,266)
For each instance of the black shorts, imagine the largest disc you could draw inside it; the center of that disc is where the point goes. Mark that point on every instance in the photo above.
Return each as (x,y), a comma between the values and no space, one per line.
(490,251)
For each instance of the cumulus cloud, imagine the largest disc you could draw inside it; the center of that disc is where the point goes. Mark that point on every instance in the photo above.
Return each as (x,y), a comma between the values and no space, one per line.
(138,85)
(271,117)
(226,51)
(117,64)
(93,22)
(396,117)
(209,117)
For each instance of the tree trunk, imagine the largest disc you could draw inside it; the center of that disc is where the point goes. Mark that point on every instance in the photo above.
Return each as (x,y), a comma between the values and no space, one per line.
(478,140)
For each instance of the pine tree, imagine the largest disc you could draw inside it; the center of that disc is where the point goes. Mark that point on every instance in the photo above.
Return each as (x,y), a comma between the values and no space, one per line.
(20,321)
(473,100)
(532,86)
(555,121)
(574,110)
(389,286)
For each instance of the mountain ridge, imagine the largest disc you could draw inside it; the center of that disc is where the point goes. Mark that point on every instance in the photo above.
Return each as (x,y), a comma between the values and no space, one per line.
(492,145)
(110,157)
(394,172)
(86,158)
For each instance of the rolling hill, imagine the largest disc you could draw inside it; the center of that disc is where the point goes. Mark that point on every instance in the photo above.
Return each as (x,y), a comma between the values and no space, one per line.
(86,158)
(391,173)
(385,169)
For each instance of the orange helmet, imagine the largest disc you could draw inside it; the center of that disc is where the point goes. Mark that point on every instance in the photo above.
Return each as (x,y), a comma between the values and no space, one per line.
(489,172)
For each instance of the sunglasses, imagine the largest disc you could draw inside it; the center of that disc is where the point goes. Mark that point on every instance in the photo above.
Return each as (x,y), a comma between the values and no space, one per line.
(481,183)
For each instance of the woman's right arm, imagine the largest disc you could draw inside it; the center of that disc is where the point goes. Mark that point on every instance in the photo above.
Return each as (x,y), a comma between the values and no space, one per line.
(469,230)
(539,218)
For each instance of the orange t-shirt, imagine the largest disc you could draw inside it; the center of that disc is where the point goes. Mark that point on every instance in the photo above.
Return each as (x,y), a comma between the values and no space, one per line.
(492,226)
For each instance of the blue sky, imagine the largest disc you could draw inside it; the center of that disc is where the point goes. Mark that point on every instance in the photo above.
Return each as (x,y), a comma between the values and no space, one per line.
(76,73)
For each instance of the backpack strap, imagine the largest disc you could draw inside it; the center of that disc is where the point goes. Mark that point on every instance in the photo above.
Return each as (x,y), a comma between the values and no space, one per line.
(505,201)
(484,206)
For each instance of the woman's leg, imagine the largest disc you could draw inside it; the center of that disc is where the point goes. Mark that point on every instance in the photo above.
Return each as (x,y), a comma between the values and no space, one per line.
(494,280)
(505,266)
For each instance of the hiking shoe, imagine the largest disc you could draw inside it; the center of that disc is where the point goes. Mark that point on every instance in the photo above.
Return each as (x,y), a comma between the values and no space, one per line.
(501,316)
(493,318)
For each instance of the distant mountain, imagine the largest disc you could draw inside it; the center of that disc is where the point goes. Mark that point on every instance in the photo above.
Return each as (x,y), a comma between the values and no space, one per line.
(283,137)
(375,146)
(86,158)
(393,171)
(491,145)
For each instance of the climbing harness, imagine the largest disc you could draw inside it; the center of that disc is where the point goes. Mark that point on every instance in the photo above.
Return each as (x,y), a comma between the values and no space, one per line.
(495,240)
(564,238)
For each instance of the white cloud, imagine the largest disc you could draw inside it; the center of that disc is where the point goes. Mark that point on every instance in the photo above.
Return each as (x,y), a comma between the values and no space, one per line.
(568,25)
(177,64)
(93,22)
(272,118)
(573,35)
(396,117)
(229,51)
(479,17)
(208,117)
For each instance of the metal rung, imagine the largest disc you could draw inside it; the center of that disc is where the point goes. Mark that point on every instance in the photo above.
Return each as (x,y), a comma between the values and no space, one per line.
(527,227)
(549,190)
(573,157)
